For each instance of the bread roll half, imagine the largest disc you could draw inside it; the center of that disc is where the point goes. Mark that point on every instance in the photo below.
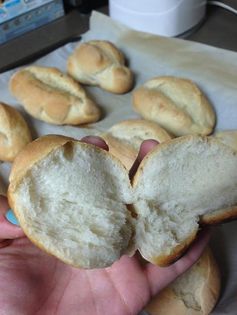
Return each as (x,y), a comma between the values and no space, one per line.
(193,293)
(176,104)
(100,63)
(124,138)
(71,198)
(14,133)
(49,95)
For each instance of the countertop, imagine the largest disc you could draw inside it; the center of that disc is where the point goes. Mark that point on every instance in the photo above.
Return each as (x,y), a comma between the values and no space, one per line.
(219,29)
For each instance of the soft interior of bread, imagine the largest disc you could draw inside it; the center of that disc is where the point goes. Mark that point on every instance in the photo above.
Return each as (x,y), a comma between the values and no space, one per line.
(74,203)
(178,184)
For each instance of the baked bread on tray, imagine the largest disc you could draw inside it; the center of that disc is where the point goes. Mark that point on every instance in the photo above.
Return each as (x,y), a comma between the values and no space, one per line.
(176,104)
(14,133)
(102,64)
(50,95)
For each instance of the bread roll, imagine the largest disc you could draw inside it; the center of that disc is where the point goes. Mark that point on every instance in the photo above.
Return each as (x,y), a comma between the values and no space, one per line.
(176,104)
(229,137)
(100,63)
(71,198)
(49,95)
(193,293)
(124,139)
(14,133)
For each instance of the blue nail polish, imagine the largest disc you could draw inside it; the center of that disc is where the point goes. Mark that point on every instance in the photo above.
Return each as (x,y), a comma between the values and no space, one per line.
(11,217)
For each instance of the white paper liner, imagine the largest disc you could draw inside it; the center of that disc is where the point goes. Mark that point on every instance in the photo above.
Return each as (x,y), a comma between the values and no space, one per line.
(213,69)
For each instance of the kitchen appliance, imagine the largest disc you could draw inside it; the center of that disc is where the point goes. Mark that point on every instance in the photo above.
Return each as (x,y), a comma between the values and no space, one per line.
(162,17)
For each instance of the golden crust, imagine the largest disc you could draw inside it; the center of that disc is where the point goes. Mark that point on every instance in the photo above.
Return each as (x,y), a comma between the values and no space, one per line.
(100,63)
(124,138)
(49,95)
(206,272)
(125,153)
(14,133)
(32,153)
(174,255)
(228,137)
(176,104)
(219,216)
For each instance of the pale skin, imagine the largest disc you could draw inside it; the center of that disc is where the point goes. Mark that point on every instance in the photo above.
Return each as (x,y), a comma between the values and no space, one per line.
(34,283)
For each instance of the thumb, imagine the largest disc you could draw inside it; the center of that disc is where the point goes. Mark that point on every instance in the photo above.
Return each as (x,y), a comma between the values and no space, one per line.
(8,230)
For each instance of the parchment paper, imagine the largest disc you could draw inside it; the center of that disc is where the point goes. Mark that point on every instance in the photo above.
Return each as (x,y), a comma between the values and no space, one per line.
(214,70)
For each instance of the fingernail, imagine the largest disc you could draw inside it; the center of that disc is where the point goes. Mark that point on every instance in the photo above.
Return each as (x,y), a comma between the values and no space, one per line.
(11,217)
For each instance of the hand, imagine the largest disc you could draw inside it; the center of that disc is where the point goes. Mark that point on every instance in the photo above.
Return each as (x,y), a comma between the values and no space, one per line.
(34,283)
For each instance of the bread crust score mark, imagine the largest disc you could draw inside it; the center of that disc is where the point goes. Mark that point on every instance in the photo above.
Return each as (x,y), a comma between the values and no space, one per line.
(177,104)
(52,96)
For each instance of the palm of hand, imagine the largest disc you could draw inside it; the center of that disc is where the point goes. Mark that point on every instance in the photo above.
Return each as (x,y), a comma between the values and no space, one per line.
(34,283)
(40,284)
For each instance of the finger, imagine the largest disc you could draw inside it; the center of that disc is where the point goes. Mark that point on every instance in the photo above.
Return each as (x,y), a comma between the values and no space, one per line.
(7,230)
(194,252)
(160,277)
(99,142)
(3,205)
(145,147)
(10,216)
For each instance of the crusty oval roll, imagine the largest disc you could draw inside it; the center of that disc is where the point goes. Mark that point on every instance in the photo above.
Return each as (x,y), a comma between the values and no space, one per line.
(194,293)
(176,104)
(100,63)
(14,133)
(76,201)
(124,138)
(49,95)
(229,137)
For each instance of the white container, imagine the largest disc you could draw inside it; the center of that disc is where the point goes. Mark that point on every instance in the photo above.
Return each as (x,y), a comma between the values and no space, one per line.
(162,17)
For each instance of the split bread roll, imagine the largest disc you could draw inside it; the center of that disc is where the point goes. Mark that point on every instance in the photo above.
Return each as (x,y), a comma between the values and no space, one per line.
(14,133)
(176,104)
(193,293)
(49,95)
(75,200)
(124,138)
(229,137)
(102,64)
